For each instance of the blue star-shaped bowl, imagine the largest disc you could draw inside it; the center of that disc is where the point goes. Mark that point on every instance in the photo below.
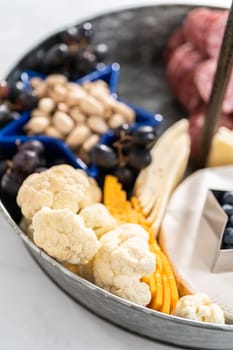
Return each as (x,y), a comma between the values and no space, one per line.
(15,130)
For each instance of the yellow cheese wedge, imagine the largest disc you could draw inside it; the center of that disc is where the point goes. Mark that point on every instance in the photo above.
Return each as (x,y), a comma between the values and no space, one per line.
(221,152)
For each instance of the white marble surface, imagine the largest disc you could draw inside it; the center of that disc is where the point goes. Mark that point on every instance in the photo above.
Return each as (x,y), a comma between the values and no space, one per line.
(35,314)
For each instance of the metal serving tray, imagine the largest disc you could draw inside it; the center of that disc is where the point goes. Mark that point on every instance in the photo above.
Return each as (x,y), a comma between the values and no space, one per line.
(136,38)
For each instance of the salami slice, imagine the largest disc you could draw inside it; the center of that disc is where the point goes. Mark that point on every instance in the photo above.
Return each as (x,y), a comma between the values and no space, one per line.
(204,29)
(187,93)
(203,80)
(195,26)
(180,75)
(174,63)
(215,33)
(175,40)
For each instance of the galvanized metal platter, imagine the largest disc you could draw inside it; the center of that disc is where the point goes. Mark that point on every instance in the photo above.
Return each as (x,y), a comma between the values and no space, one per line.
(136,38)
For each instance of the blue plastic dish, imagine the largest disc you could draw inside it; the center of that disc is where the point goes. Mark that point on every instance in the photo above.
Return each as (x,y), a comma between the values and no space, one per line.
(15,130)
(54,149)
(109,73)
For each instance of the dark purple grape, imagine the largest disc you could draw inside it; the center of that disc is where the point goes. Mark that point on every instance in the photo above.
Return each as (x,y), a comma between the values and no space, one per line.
(15,89)
(26,100)
(35,60)
(26,161)
(6,116)
(125,175)
(122,129)
(71,35)
(32,145)
(228,209)
(138,158)
(144,135)
(227,198)
(103,156)
(85,62)
(56,55)
(3,167)
(87,31)
(11,182)
(228,236)
(101,51)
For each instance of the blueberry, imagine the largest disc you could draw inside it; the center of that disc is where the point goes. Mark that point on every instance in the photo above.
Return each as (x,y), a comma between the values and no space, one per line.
(228,236)
(227,198)
(228,209)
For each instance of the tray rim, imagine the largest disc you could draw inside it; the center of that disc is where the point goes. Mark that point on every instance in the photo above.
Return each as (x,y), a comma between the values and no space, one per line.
(30,245)
(104,293)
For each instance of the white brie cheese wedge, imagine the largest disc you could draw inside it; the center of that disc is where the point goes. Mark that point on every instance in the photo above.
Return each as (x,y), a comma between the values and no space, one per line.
(188,250)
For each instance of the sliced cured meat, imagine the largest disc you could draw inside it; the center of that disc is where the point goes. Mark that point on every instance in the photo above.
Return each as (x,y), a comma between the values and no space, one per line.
(204,29)
(187,93)
(180,75)
(196,121)
(203,80)
(215,33)
(175,40)
(195,25)
(176,60)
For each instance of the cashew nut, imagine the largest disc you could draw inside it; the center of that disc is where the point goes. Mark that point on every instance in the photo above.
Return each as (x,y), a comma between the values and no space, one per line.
(63,122)
(78,135)
(97,124)
(46,105)
(37,125)
(76,115)
(90,142)
(89,105)
(116,120)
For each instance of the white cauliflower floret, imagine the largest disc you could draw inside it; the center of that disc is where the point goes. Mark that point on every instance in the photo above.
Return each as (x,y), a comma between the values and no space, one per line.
(199,307)
(122,260)
(58,187)
(64,236)
(93,193)
(98,218)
